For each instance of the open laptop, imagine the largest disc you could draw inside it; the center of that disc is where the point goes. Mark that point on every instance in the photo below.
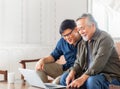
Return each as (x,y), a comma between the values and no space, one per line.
(34,80)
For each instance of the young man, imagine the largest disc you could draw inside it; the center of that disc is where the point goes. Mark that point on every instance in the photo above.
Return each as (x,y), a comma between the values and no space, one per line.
(97,63)
(66,46)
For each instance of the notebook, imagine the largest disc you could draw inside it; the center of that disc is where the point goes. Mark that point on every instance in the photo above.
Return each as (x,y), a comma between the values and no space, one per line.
(34,80)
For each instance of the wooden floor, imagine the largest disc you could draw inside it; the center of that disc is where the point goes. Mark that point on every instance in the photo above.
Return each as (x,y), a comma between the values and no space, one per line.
(19,84)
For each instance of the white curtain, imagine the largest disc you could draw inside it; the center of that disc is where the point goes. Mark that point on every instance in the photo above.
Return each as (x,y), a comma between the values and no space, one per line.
(107,13)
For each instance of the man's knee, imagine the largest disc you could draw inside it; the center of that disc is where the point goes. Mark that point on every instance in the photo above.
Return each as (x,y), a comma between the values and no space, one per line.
(43,76)
(56,80)
(91,81)
(95,82)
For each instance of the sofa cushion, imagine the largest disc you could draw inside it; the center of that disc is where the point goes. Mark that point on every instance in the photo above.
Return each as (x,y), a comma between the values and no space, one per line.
(117,45)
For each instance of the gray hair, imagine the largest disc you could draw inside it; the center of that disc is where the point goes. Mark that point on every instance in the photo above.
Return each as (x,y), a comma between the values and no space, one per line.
(90,19)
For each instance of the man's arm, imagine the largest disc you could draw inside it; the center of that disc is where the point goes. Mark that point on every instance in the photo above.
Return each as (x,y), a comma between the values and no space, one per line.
(42,61)
(47,59)
(70,77)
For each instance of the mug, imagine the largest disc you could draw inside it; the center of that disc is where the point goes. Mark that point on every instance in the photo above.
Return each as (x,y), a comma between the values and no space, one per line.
(11,77)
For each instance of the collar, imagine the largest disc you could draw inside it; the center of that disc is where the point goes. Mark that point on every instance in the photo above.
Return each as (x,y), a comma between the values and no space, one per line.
(95,35)
(78,41)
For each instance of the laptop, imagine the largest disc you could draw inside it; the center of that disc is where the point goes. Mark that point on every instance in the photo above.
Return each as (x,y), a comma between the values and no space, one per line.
(34,80)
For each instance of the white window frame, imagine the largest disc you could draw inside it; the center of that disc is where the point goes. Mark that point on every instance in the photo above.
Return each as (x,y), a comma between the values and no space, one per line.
(115,33)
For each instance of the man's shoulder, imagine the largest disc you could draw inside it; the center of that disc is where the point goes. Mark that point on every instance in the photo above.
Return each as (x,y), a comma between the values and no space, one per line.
(103,35)
(62,41)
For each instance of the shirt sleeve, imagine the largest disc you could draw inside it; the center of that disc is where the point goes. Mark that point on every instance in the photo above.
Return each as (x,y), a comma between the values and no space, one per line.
(57,52)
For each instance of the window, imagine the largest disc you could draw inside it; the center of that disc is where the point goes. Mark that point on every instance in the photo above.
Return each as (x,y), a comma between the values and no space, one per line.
(107,14)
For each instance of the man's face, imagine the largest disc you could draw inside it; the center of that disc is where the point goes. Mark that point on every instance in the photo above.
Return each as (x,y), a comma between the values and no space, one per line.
(70,35)
(85,30)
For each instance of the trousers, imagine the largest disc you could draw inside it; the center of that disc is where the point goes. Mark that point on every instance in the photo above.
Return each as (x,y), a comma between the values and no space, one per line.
(51,69)
(93,82)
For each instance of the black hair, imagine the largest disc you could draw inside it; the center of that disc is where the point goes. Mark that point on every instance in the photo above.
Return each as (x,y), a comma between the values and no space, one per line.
(67,24)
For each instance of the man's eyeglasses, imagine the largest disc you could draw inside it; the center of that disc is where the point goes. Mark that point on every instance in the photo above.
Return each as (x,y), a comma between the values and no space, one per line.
(82,28)
(67,35)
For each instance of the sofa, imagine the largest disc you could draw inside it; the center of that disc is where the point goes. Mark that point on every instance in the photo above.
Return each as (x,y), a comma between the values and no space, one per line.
(117,45)
(62,61)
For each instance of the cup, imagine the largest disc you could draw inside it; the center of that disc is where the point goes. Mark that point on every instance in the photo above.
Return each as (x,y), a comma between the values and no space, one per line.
(11,77)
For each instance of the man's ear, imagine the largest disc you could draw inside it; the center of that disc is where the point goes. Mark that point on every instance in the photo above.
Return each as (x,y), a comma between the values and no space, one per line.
(76,29)
(92,25)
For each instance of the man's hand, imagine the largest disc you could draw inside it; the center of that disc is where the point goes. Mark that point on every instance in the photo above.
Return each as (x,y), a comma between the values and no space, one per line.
(70,77)
(78,82)
(40,65)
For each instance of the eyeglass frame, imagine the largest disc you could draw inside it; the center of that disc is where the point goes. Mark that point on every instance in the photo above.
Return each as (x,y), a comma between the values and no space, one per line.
(81,28)
(67,35)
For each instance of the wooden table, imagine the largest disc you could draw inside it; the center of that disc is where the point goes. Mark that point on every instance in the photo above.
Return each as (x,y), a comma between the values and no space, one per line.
(19,84)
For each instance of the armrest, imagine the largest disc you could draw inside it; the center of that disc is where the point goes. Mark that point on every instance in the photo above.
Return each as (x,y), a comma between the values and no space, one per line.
(23,63)
(4,72)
